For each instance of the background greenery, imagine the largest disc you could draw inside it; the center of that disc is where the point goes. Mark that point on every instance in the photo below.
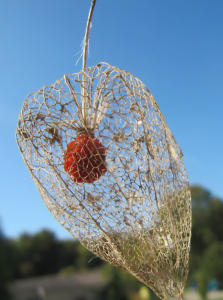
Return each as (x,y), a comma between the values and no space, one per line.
(43,254)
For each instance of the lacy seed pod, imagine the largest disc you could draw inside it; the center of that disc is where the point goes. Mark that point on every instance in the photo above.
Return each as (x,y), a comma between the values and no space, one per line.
(135,210)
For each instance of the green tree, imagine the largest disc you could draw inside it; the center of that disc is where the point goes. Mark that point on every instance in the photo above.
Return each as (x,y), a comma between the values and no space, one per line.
(43,254)
(7,262)
(212,263)
(120,285)
(40,254)
(207,238)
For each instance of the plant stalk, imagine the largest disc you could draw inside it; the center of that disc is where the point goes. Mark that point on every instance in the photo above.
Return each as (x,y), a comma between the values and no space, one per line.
(86,39)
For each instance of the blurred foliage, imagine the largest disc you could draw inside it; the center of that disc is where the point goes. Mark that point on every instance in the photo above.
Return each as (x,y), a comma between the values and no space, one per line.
(206,256)
(120,285)
(7,263)
(43,254)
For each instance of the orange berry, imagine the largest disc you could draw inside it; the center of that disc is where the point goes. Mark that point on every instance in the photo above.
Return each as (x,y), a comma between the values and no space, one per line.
(84,159)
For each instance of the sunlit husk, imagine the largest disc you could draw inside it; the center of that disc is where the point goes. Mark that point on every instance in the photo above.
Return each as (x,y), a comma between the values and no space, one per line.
(137,216)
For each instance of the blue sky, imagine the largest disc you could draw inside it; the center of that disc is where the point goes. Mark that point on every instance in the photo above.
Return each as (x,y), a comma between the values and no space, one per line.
(174,46)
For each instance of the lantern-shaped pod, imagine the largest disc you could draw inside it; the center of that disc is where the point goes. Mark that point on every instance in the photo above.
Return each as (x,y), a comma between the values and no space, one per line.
(137,213)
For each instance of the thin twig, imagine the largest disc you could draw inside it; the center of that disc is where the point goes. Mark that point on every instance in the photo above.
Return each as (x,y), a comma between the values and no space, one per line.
(84,103)
(87,33)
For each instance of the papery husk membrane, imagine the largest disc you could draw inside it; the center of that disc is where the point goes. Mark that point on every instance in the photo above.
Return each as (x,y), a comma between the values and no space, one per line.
(137,216)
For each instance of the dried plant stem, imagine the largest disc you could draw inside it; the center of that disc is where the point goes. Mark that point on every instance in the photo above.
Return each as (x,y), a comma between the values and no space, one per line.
(84,101)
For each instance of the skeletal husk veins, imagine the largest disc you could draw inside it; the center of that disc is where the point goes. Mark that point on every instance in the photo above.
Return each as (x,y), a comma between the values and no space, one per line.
(136,216)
